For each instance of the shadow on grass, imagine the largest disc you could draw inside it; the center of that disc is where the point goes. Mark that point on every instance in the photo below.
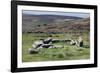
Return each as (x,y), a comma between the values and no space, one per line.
(86,46)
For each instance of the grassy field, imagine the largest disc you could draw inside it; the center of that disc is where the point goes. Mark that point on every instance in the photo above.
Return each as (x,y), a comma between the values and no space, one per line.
(69,52)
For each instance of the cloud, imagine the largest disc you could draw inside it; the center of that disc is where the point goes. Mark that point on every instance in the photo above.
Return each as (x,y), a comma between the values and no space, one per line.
(76,14)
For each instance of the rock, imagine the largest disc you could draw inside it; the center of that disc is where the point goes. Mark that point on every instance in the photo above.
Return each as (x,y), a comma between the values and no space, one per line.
(80,40)
(33,51)
(72,42)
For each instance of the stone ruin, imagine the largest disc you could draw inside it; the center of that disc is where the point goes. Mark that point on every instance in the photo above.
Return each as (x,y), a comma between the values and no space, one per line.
(47,43)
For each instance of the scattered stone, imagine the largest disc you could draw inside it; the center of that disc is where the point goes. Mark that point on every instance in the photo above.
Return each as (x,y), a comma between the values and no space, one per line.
(32,51)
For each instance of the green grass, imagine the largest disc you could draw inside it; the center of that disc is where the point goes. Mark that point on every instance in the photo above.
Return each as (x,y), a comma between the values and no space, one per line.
(69,52)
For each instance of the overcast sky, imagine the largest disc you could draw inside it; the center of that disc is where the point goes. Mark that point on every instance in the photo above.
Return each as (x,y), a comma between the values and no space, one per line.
(76,14)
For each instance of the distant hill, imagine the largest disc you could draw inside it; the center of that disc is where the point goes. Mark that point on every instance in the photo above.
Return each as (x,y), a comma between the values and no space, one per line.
(54,23)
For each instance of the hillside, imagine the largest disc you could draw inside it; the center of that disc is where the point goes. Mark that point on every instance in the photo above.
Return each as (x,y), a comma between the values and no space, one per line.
(54,23)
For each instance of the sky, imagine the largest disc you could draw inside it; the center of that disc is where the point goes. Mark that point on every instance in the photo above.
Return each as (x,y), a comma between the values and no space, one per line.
(76,14)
